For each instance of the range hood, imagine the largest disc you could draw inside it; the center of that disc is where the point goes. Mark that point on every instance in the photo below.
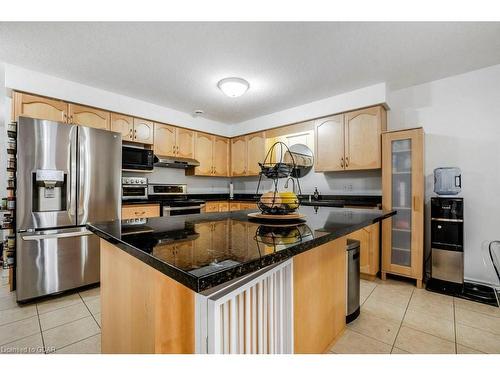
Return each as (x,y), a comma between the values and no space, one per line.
(175,162)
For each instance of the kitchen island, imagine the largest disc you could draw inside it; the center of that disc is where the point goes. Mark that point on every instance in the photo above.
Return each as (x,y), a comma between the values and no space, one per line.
(222,283)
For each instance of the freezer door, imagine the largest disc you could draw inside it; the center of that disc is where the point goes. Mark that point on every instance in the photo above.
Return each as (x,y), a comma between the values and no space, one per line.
(54,261)
(45,146)
(99,185)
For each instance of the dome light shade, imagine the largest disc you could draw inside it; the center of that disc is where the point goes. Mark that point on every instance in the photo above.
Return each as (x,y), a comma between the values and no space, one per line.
(233,86)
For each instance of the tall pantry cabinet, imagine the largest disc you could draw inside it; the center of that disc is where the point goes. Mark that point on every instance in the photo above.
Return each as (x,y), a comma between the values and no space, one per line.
(403,191)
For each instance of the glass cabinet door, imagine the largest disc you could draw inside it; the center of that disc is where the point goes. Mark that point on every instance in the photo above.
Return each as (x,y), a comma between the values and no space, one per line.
(401,201)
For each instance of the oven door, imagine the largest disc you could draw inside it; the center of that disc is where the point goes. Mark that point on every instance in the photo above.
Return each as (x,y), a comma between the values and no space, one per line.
(137,158)
(134,192)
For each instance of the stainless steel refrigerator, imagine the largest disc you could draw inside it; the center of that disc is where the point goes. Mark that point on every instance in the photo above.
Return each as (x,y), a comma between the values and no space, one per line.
(67,176)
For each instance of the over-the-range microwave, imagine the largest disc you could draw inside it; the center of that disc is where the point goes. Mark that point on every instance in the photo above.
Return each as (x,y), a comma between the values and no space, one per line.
(137,158)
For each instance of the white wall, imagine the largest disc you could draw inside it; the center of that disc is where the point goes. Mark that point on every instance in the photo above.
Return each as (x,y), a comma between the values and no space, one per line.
(364,97)
(21,79)
(461,119)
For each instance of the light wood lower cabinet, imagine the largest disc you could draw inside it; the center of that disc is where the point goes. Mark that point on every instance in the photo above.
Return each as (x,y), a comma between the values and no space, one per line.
(403,191)
(38,107)
(137,211)
(88,116)
(369,238)
(223,206)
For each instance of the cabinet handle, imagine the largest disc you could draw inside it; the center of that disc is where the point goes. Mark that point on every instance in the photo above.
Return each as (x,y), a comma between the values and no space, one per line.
(140,213)
(130,134)
(342,162)
(65,116)
(173,149)
(347,161)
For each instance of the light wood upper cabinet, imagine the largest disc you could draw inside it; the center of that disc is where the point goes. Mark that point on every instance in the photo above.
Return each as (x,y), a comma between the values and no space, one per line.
(329,144)
(143,131)
(238,156)
(124,125)
(246,154)
(173,141)
(33,106)
(164,140)
(184,140)
(88,116)
(350,141)
(363,131)
(204,146)
(221,156)
(256,152)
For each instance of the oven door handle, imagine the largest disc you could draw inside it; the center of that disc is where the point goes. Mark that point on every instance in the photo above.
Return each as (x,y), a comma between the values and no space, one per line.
(167,208)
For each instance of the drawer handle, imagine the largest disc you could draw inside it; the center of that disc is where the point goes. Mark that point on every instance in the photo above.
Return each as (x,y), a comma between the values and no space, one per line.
(139,213)
(342,162)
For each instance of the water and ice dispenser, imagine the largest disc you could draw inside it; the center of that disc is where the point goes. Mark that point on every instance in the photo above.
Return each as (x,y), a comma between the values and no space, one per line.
(49,190)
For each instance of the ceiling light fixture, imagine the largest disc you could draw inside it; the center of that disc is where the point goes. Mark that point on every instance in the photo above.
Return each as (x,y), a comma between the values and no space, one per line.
(233,86)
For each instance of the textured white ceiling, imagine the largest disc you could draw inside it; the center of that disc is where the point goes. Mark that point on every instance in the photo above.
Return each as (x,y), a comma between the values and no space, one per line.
(287,64)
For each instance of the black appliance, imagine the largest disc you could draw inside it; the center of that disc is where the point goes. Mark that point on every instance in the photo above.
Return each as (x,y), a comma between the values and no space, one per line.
(174,200)
(447,239)
(134,188)
(134,158)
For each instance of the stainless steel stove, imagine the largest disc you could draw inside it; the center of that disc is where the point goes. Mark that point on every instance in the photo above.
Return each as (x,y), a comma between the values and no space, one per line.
(174,199)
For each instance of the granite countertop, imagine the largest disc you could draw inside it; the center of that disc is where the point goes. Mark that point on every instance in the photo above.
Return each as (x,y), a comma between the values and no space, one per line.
(219,247)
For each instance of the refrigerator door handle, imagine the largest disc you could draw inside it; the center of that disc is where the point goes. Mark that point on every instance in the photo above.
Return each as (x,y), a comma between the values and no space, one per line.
(36,237)
(72,196)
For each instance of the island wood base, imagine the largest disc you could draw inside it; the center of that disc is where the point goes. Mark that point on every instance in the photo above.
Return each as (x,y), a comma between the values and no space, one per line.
(145,311)
(142,310)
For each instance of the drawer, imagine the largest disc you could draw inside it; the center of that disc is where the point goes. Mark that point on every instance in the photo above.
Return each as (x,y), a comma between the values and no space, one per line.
(134,211)
(212,207)
(223,206)
(234,206)
(248,206)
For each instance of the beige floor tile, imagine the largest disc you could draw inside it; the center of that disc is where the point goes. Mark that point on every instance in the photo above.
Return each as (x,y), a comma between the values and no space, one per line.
(429,306)
(425,323)
(58,302)
(5,291)
(29,345)
(355,343)
(477,307)
(391,295)
(18,330)
(368,284)
(383,309)
(17,313)
(399,351)
(478,339)
(465,350)
(97,317)
(63,315)
(94,305)
(381,329)
(90,293)
(478,320)
(91,345)
(70,333)
(424,296)
(8,302)
(417,342)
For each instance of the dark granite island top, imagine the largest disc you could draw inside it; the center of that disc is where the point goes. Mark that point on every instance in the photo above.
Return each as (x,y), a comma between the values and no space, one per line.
(219,247)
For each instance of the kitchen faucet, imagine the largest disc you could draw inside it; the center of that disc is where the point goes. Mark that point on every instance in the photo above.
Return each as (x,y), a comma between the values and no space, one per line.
(293,182)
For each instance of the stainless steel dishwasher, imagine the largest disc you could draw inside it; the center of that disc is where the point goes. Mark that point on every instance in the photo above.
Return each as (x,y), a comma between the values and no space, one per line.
(353,280)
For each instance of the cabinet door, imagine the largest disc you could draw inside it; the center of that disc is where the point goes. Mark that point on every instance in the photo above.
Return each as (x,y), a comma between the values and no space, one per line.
(143,131)
(223,206)
(203,244)
(234,206)
(88,116)
(203,150)
(123,125)
(221,156)
(256,152)
(212,207)
(363,130)
(220,236)
(369,249)
(164,140)
(184,143)
(238,156)
(402,190)
(165,253)
(33,106)
(329,144)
